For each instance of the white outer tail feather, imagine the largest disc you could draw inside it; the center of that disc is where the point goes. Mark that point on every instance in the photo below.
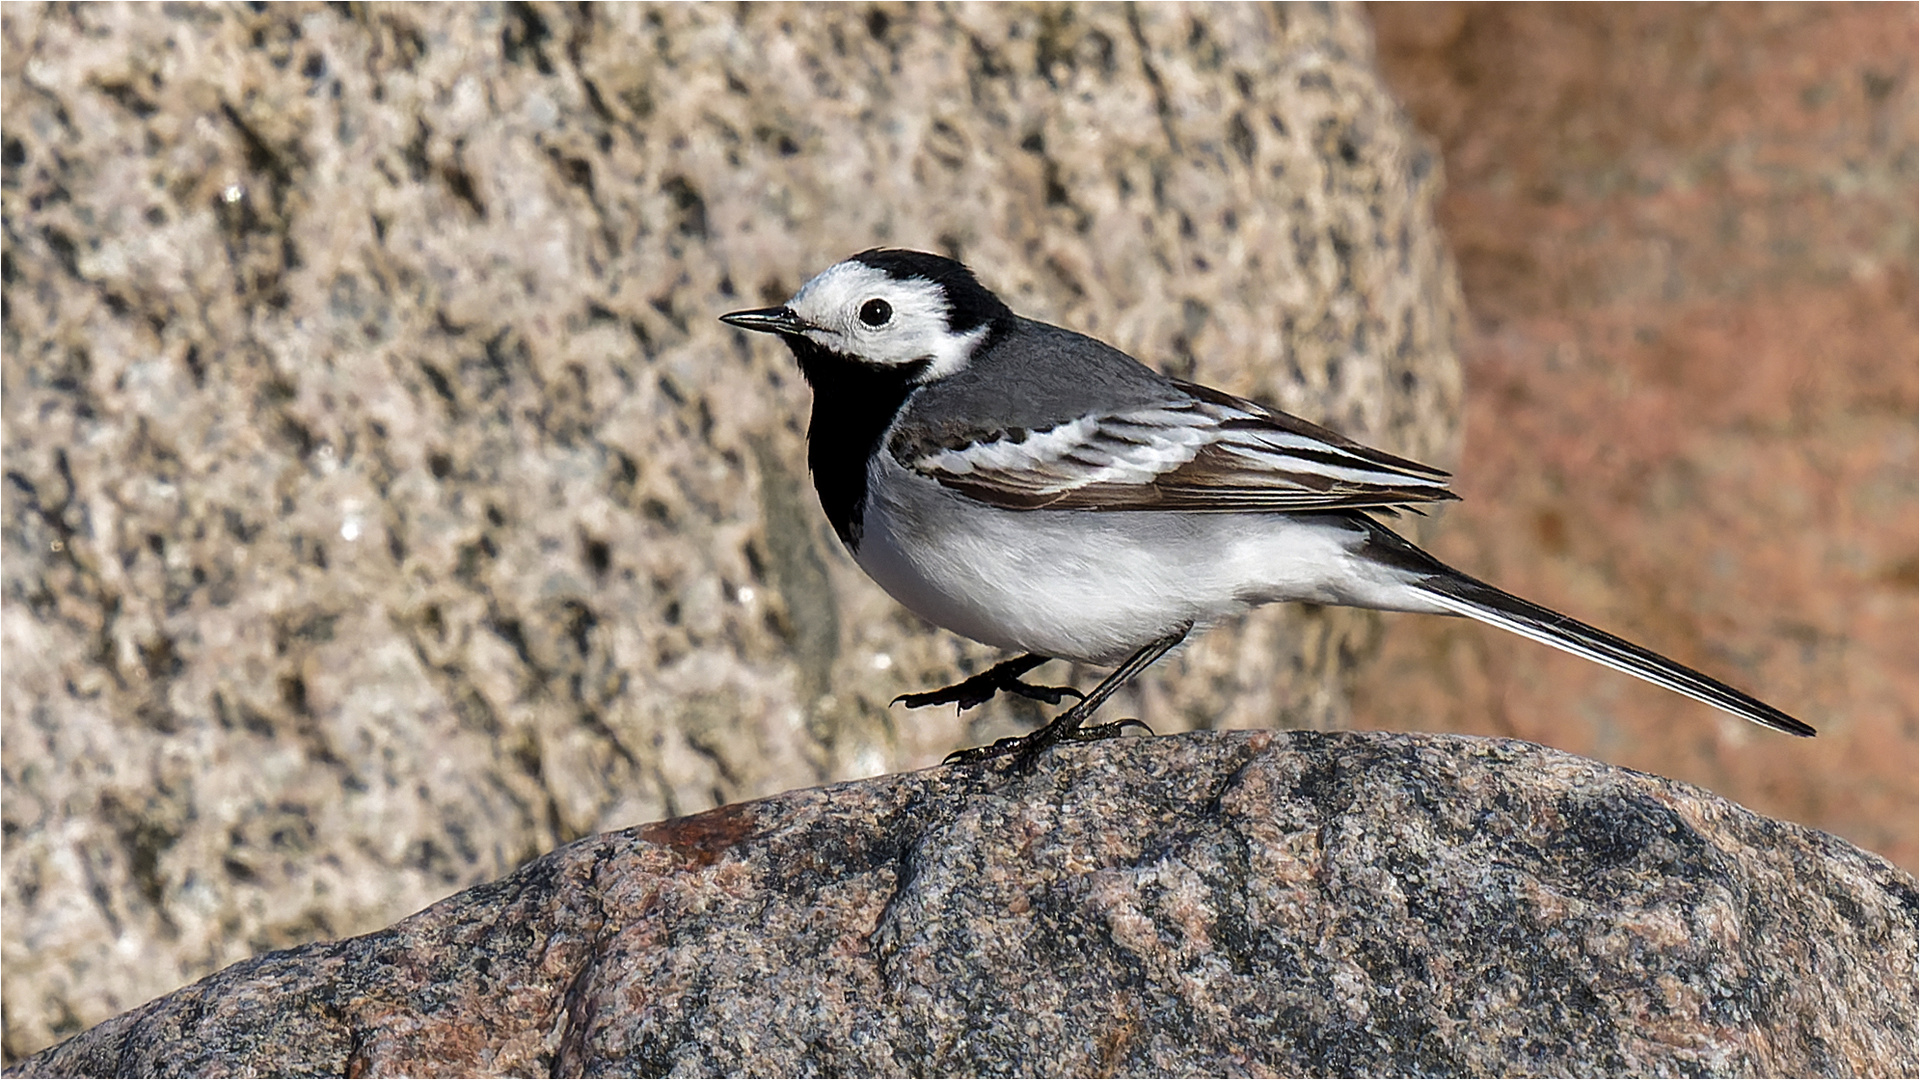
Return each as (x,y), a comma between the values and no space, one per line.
(1570,635)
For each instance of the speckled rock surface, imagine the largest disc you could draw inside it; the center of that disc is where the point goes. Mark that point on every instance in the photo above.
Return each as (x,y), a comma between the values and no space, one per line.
(1220,904)
(1691,230)
(385,506)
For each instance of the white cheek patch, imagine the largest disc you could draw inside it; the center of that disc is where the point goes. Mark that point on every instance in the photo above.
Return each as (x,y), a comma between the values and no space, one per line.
(916,333)
(826,339)
(952,351)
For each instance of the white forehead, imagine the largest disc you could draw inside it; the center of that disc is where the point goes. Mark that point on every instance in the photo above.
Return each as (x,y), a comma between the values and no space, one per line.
(834,297)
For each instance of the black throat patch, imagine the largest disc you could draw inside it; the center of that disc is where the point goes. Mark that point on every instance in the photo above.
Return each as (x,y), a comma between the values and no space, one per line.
(853,405)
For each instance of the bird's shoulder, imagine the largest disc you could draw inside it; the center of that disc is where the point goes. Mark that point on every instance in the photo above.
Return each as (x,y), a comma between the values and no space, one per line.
(1029,377)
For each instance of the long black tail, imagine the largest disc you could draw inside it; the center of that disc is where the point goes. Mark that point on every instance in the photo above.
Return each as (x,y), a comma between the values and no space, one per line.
(1478,600)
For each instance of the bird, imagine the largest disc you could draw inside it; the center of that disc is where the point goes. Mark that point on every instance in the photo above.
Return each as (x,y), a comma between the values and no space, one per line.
(1045,493)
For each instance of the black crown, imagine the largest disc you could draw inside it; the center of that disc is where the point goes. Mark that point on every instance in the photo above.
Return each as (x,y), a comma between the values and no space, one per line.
(969,303)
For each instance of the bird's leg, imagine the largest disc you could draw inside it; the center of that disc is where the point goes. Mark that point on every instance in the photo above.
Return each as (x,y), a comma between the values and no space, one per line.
(1066,727)
(981,688)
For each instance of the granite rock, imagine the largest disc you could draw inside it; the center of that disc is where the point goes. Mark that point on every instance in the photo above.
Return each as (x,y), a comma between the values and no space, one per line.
(1298,903)
(1687,237)
(384,505)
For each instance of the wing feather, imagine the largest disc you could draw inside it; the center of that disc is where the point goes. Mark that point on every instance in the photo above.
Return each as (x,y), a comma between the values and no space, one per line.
(1206,451)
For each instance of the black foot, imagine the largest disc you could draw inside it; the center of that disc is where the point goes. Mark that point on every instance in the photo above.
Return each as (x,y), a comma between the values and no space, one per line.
(1004,676)
(1025,748)
(1066,727)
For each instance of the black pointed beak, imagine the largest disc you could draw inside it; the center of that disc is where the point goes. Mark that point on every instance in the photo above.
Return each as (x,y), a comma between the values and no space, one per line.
(771,320)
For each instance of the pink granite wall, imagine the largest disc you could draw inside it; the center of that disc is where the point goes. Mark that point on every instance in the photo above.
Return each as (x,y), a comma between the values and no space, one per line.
(1686,238)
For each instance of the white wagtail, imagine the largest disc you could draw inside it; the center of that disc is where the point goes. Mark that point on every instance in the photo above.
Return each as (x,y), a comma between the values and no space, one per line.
(1039,491)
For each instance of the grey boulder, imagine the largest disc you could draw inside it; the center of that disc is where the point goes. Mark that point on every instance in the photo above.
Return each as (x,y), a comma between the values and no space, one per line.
(1222,904)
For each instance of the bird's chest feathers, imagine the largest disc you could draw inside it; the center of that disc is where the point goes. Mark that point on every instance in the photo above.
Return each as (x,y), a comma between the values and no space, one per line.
(853,405)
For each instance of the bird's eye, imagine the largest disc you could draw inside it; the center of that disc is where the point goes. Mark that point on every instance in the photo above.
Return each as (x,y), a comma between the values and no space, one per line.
(876,312)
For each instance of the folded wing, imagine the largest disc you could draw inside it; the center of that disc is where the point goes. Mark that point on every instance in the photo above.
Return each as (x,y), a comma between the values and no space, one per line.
(1202,451)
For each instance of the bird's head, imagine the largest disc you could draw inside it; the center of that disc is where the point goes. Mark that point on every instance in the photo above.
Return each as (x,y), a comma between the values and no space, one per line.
(888,310)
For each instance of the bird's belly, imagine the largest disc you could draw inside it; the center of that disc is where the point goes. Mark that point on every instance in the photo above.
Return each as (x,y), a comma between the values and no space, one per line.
(1082,585)
(1026,588)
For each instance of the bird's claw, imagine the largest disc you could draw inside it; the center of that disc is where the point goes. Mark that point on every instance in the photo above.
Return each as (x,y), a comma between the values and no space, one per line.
(981,688)
(1106,731)
(1051,695)
(1025,748)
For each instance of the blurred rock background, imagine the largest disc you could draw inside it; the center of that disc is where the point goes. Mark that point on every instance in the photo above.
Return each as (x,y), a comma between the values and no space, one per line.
(1686,236)
(383,505)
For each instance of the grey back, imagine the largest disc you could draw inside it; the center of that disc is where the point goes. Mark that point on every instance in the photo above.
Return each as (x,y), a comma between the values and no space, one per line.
(1035,376)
